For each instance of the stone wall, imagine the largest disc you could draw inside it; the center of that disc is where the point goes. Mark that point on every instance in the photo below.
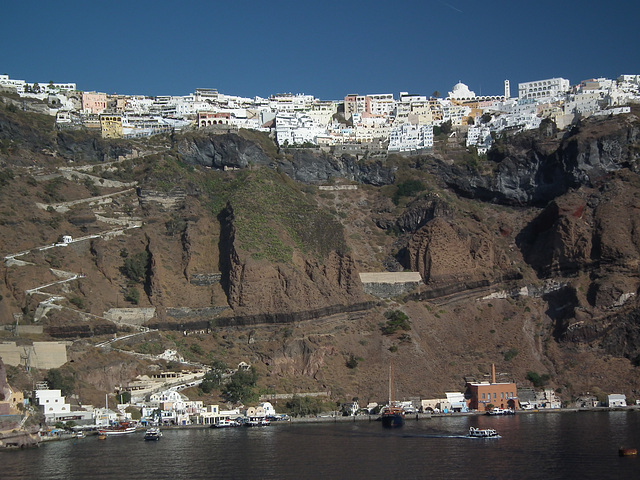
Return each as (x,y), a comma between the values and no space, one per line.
(186,312)
(389,284)
(41,355)
(131,316)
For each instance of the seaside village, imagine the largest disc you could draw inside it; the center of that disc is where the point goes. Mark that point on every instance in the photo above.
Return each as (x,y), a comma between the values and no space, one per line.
(157,401)
(360,125)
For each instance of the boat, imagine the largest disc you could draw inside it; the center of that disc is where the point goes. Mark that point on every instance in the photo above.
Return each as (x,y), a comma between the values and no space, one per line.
(392,415)
(102,436)
(257,422)
(122,429)
(501,411)
(627,452)
(152,434)
(482,433)
(225,423)
(79,435)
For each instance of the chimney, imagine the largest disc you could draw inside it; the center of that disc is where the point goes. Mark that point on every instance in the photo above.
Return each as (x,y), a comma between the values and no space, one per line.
(493,373)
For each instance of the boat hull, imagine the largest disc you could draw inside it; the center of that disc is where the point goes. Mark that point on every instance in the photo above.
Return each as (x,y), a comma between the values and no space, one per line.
(120,431)
(392,421)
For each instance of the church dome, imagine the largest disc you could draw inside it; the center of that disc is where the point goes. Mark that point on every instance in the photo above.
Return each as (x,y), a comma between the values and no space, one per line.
(461,91)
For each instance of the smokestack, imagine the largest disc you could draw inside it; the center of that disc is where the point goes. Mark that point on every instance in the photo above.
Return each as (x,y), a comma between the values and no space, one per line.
(493,373)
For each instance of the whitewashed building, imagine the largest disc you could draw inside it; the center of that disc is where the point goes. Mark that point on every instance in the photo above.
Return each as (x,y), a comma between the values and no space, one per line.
(540,89)
(408,138)
(616,400)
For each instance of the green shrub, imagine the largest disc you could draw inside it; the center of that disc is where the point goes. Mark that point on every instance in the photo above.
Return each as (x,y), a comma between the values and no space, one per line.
(133,296)
(510,354)
(397,320)
(352,361)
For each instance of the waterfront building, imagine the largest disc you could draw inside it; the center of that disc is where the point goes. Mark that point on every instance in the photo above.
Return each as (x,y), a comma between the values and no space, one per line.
(53,405)
(616,400)
(501,395)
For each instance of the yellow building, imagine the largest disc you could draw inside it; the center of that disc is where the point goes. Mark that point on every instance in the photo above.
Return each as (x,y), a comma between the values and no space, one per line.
(111,126)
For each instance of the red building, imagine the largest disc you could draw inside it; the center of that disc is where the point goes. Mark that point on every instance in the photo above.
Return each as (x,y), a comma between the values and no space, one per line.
(500,395)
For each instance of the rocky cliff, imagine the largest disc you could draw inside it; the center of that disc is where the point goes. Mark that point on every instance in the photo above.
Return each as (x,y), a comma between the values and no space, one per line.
(529,258)
(304,165)
(534,169)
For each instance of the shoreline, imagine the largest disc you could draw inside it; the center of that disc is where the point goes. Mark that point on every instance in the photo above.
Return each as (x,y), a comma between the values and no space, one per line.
(374,418)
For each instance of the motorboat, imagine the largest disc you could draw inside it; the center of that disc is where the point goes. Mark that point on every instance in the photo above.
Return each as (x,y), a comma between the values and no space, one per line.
(501,411)
(153,433)
(225,423)
(482,433)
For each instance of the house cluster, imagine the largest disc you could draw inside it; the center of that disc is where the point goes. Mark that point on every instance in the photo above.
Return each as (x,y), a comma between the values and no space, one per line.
(378,123)
(168,407)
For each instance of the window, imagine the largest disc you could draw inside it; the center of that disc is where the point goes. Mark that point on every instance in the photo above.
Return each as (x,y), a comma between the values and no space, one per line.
(494,395)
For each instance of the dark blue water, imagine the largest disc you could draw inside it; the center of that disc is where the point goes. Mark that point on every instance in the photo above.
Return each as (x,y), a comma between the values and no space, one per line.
(580,445)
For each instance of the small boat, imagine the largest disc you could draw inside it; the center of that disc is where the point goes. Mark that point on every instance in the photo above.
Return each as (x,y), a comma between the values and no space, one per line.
(80,435)
(102,436)
(257,422)
(501,411)
(152,434)
(627,452)
(226,423)
(482,433)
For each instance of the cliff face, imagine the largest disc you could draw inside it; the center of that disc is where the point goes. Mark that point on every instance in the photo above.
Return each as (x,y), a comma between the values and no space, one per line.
(532,169)
(549,230)
(303,165)
(264,292)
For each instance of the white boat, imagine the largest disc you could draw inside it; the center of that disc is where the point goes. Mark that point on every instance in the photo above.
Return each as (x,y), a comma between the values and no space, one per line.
(501,411)
(482,433)
(226,423)
(122,429)
(153,434)
(257,422)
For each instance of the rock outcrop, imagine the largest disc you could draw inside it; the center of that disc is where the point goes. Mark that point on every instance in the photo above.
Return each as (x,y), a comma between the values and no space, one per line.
(303,165)
(534,170)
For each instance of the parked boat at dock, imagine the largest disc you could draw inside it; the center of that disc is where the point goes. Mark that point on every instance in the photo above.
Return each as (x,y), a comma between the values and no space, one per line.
(501,411)
(392,415)
(122,429)
(226,423)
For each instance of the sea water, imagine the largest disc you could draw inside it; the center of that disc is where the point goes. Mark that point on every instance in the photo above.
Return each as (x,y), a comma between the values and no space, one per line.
(546,446)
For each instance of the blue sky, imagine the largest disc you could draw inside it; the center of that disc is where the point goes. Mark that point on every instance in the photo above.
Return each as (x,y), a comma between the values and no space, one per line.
(327,49)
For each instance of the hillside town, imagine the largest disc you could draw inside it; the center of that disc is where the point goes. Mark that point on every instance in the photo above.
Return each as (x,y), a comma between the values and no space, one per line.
(374,124)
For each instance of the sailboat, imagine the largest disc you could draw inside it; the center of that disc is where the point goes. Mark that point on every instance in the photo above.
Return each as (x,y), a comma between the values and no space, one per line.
(392,415)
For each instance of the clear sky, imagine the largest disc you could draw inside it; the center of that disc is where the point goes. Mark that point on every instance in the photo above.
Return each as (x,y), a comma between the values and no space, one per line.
(327,49)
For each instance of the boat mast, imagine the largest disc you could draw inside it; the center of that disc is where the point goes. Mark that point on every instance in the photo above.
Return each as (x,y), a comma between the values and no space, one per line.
(391,396)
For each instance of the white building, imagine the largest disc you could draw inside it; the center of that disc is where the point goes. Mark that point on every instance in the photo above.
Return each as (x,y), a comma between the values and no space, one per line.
(297,129)
(616,400)
(53,405)
(461,92)
(479,137)
(407,138)
(540,89)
